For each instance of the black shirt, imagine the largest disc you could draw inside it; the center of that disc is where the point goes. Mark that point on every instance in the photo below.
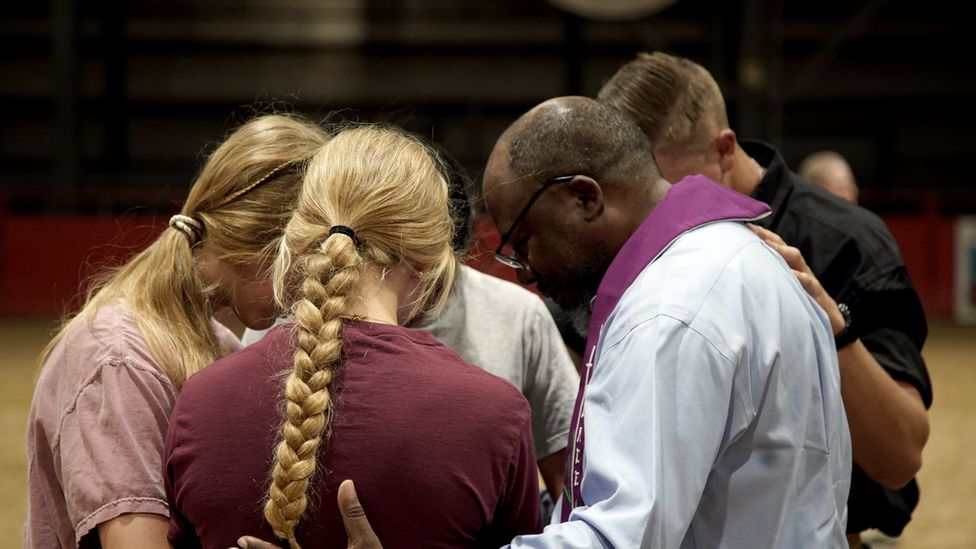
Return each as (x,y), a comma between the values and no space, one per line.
(856,259)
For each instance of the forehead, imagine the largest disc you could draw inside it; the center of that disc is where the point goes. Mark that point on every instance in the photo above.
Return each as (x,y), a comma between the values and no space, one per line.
(505,194)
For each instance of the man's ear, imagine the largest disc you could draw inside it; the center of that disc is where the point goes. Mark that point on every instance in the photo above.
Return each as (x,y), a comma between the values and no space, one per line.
(725,144)
(589,196)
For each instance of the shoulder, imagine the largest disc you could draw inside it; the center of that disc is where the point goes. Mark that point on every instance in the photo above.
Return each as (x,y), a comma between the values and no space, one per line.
(827,229)
(453,377)
(414,369)
(256,363)
(106,337)
(100,379)
(492,402)
(478,286)
(721,269)
(687,270)
(503,307)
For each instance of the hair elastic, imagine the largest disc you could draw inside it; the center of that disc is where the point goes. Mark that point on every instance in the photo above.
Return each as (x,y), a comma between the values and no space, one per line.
(190,227)
(346,231)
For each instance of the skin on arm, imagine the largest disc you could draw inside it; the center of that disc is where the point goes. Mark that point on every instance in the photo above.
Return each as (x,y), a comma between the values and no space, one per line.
(887,418)
(135,530)
(552,468)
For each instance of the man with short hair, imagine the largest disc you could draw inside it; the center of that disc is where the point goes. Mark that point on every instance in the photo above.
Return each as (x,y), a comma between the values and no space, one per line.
(877,317)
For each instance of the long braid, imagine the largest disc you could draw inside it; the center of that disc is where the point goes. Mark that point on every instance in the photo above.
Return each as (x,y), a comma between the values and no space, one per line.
(330,277)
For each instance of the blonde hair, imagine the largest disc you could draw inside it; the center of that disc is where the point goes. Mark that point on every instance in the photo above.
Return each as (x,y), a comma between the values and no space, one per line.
(674,100)
(237,209)
(389,189)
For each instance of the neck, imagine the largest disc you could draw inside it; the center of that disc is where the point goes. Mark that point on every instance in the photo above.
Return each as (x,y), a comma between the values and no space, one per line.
(638,205)
(380,294)
(746,173)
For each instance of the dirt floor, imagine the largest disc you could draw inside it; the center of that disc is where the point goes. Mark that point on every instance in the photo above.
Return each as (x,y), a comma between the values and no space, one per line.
(948,479)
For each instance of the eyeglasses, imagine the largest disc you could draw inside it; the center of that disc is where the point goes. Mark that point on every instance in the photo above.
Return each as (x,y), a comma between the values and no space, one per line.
(511,260)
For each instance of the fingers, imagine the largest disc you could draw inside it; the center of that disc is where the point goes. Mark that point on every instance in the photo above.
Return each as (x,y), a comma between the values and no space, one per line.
(791,255)
(359,534)
(251,542)
(811,285)
(766,234)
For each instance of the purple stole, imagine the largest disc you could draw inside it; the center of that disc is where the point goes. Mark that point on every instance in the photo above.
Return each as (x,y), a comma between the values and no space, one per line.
(692,202)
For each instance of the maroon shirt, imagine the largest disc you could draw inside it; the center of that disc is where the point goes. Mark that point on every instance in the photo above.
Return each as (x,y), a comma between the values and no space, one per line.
(441,452)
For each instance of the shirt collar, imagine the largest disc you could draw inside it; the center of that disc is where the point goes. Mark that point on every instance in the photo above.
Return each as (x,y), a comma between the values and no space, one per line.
(775,186)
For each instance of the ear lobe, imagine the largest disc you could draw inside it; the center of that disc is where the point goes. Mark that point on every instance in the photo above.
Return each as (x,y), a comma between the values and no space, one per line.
(589,196)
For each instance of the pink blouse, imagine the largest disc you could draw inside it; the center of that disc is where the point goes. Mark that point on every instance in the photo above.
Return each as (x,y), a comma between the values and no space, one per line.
(96,431)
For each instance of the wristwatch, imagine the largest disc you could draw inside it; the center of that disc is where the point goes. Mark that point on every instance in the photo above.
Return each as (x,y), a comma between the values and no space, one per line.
(848,334)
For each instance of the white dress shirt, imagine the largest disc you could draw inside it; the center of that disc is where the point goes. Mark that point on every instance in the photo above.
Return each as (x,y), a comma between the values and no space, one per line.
(713,417)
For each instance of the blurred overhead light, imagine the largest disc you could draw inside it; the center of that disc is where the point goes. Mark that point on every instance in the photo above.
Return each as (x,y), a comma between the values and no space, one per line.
(612,10)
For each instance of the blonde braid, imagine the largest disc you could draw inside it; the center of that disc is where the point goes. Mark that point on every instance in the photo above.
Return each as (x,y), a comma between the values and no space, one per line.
(386,189)
(309,410)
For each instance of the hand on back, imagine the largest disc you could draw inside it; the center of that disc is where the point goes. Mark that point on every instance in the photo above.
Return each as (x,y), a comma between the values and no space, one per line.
(358,531)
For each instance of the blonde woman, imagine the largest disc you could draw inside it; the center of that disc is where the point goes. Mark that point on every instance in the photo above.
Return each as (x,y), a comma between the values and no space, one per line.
(443,449)
(111,375)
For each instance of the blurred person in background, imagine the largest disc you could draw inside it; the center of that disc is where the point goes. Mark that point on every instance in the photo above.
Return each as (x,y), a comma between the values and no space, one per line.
(110,376)
(831,171)
(875,313)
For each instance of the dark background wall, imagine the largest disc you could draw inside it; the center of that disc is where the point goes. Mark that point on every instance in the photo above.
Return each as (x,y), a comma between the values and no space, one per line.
(108,107)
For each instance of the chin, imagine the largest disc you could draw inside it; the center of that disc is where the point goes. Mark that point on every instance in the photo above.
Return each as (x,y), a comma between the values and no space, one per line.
(577,306)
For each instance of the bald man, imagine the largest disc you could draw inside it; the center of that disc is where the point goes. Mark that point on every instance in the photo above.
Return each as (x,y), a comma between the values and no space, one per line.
(831,172)
(709,413)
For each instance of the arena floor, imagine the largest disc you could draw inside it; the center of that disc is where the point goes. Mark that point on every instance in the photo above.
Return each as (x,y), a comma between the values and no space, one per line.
(943,520)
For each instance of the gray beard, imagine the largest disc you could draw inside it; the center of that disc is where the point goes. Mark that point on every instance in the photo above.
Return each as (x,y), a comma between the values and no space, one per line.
(579,316)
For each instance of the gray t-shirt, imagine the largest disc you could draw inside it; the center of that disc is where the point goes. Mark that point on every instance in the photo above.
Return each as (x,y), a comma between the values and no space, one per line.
(507,331)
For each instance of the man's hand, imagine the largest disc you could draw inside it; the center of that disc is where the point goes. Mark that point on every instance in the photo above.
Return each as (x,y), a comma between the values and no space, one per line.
(359,533)
(794,259)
